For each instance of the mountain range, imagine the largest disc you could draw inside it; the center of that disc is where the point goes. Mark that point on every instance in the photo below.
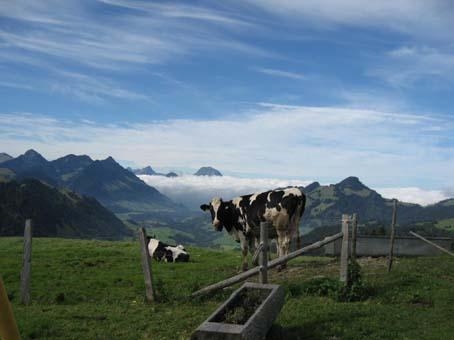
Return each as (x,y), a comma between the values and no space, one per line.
(55,212)
(136,203)
(148,170)
(203,171)
(326,204)
(115,187)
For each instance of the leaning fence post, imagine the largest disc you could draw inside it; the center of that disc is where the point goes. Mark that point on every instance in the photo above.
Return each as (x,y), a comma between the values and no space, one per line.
(354,234)
(393,235)
(263,256)
(146,265)
(27,264)
(344,249)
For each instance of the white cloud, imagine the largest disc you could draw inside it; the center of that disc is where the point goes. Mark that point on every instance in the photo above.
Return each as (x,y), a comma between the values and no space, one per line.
(280,73)
(150,33)
(193,191)
(403,16)
(322,143)
(413,195)
(406,65)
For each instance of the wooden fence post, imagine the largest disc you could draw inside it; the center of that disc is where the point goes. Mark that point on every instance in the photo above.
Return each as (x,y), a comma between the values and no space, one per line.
(393,236)
(354,234)
(26,265)
(344,249)
(146,266)
(263,257)
(8,326)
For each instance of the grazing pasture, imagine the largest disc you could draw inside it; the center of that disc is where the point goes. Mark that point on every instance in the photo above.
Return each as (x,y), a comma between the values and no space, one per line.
(94,290)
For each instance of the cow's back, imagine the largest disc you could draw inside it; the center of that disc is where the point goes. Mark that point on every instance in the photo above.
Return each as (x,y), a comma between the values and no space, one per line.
(283,208)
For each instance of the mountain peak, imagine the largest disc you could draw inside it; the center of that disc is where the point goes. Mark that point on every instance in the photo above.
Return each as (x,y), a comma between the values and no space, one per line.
(207,171)
(32,155)
(71,157)
(4,157)
(110,160)
(148,170)
(312,186)
(352,182)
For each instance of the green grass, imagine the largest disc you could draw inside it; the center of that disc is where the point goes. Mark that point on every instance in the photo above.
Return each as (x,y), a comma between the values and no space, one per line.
(94,290)
(363,192)
(447,224)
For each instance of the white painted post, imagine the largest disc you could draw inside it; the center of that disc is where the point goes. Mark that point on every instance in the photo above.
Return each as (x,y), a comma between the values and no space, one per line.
(263,257)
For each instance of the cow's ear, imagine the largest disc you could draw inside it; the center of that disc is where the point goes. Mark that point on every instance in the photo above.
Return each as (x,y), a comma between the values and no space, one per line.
(205,207)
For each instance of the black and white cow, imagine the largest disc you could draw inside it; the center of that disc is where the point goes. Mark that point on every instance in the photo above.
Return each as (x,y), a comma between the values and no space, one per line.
(167,253)
(242,215)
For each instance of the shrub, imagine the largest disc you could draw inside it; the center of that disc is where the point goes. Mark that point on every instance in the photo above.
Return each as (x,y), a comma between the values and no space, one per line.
(353,290)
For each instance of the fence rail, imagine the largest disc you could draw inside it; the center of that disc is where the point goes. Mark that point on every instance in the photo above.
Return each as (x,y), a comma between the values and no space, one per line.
(254,271)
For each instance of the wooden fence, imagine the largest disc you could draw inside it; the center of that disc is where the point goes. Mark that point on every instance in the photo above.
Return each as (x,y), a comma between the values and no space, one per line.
(264,265)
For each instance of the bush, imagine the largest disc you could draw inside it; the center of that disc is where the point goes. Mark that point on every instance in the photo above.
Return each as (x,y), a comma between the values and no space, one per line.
(353,290)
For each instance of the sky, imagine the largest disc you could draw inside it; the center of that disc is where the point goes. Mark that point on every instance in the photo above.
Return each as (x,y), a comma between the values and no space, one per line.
(296,90)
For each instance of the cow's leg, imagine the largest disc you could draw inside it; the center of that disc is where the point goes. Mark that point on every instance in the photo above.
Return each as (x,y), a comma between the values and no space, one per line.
(245,261)
(244,251)
(286,244)
(253,247)
(283,242)
(298,240)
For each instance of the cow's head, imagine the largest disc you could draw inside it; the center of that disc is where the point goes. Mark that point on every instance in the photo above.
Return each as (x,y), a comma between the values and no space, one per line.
(215,207)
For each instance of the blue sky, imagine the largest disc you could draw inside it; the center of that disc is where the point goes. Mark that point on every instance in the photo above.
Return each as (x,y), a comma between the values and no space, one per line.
(310,90)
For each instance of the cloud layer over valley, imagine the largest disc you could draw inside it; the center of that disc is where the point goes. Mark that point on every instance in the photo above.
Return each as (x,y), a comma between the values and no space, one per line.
(192,191)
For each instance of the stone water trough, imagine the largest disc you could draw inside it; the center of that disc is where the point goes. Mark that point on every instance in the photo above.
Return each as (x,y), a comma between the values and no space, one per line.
(247,314)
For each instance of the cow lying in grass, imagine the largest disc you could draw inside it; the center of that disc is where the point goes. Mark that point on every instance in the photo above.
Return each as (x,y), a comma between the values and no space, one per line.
(161,251)
(241,217)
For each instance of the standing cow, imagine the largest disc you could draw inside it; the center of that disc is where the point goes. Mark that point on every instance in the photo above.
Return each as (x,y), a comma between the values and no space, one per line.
(241,217)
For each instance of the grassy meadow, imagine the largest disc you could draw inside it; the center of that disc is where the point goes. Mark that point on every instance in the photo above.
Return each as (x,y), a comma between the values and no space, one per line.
(94,290)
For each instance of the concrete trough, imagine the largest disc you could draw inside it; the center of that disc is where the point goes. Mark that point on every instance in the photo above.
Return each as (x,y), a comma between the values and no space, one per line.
(257,325)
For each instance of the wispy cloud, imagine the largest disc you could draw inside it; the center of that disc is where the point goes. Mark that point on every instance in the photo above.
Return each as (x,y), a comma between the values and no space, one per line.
(184,11)
(407,65)
(403,16)
(88,88)
(279,73)
(91,88)
(153,33)
(16,85)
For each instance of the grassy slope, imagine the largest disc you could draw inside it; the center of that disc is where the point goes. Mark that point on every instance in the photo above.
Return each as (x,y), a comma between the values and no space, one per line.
(447,224)
(94,289)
